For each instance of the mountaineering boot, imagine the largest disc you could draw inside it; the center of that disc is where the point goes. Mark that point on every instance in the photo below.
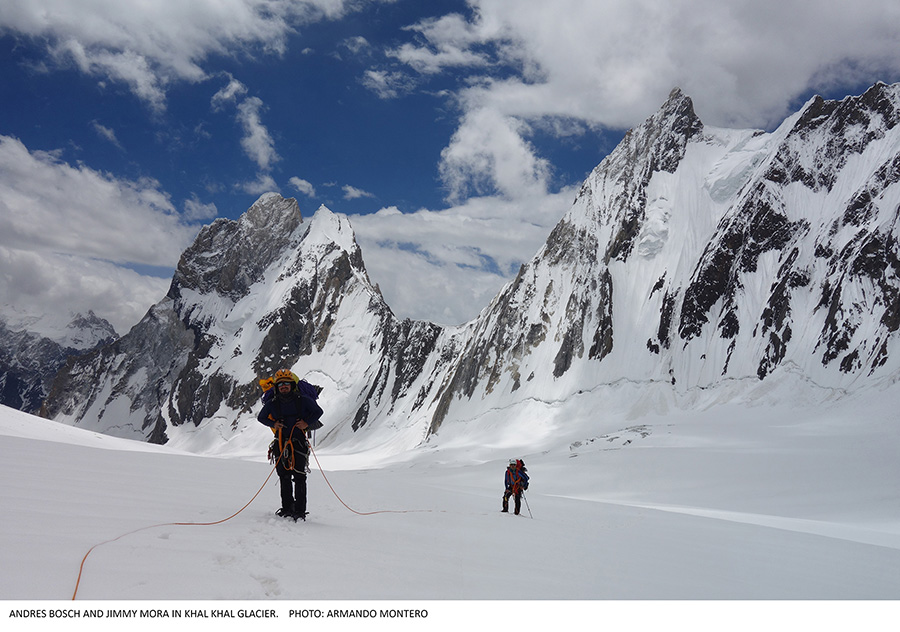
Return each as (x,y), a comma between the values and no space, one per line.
(284,513)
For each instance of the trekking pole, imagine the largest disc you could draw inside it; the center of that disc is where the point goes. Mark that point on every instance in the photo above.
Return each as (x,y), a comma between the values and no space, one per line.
(526,506)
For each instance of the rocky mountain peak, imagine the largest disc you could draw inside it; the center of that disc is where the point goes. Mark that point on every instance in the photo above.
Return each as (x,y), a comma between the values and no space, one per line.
(271,213)
(87,331)
(228,256)
(657,145)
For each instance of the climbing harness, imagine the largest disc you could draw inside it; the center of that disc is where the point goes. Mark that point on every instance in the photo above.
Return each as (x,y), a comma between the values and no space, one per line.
(285,448)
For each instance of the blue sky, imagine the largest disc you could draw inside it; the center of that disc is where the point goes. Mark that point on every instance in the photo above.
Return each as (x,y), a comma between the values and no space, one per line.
(125,127)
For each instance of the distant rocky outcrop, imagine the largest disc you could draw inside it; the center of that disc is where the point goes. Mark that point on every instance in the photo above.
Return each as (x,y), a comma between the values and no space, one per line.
(31,353)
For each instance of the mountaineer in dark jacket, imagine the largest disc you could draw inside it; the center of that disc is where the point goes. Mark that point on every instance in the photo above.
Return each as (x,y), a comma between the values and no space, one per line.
(516,482)
(291,415)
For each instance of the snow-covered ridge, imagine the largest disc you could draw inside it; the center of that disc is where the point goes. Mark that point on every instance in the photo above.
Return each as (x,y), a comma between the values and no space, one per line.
(695,259)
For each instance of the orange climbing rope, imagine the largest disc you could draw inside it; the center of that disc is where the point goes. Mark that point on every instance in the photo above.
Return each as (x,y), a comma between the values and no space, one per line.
(207,524)
(166,524)
(362,513)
